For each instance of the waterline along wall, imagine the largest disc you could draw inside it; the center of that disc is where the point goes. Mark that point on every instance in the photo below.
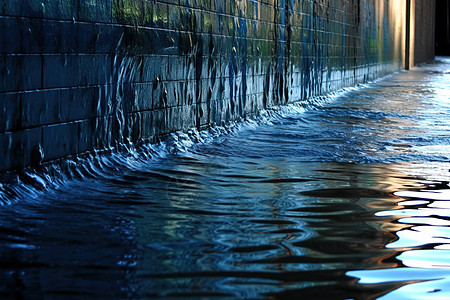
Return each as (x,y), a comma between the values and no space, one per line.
(78,75)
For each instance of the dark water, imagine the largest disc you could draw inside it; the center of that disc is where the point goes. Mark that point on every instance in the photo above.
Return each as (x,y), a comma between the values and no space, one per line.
(345,200)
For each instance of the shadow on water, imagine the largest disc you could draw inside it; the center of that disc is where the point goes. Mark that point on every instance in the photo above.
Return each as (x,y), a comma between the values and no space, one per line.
(345,201)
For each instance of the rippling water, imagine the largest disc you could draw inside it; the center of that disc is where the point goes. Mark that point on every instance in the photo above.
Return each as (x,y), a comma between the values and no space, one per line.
(346,199)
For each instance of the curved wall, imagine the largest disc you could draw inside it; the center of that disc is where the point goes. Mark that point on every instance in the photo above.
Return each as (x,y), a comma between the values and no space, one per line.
(77,75)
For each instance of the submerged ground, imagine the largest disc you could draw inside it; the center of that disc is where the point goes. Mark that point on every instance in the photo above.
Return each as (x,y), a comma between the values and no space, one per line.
(344,199)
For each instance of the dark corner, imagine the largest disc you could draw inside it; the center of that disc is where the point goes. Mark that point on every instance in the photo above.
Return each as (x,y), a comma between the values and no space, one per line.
(442,28)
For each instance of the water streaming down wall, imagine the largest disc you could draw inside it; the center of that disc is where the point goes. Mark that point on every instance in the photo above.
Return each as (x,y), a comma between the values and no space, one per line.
(78,75)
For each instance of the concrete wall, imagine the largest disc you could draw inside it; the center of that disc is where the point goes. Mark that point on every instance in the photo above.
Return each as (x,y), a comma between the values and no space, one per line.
(77,75)
(424,30)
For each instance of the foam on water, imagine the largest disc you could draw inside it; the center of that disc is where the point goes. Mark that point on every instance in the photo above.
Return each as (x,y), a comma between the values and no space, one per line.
(29,184)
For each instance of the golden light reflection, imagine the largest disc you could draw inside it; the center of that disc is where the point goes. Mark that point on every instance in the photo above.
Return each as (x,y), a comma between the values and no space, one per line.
(391,14)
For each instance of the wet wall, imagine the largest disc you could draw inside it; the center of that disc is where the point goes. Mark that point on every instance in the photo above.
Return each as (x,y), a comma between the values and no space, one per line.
(78,75)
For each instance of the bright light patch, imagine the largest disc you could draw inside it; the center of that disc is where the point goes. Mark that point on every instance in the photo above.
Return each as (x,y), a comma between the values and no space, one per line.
(413,202)
(421,235)
(426,258)
(431,195)
(427,221)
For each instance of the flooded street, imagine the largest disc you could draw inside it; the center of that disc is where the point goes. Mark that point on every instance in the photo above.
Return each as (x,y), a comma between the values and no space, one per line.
(344,199)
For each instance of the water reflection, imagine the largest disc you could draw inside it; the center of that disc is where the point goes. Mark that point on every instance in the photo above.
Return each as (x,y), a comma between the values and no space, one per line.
(192,226)
(302,204)
(423,246)
(269,229)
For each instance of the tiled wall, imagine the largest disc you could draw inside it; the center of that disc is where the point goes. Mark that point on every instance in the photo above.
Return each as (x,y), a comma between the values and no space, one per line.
(77,75)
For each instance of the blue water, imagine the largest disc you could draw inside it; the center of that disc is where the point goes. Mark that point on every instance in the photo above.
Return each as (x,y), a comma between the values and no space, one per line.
(346,198)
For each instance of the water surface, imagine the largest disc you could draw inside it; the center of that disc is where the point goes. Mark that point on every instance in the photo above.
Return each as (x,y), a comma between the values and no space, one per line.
(343,200)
